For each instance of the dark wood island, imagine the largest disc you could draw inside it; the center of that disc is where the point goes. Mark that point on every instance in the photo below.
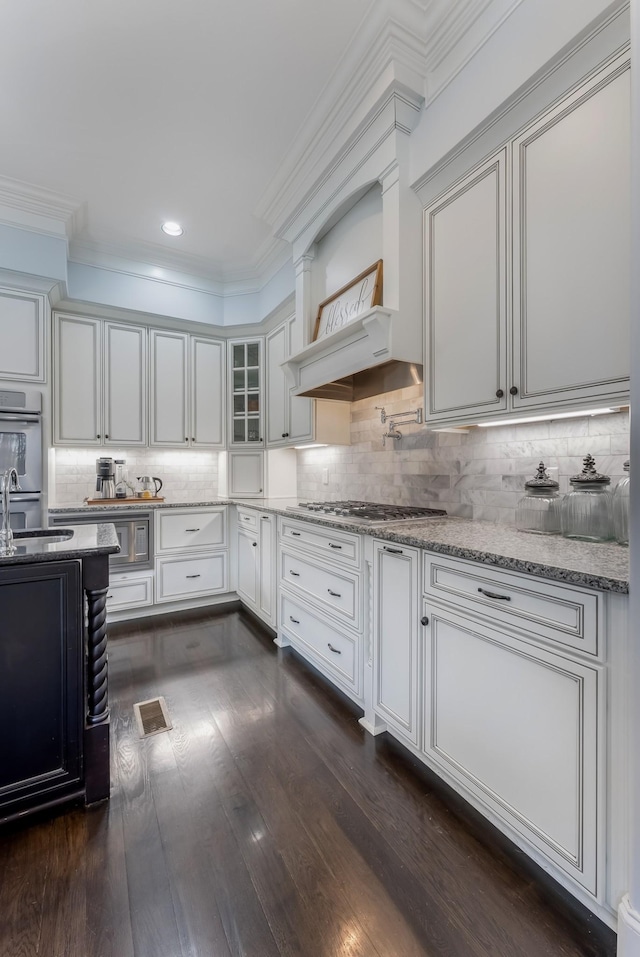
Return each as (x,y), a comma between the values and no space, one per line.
(54,715)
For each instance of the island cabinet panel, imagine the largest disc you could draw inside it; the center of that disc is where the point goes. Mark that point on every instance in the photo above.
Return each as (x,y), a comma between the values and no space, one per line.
(518,727)
(40,685)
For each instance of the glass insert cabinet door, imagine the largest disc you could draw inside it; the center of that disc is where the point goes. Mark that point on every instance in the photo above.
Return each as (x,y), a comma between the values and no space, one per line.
(246,399)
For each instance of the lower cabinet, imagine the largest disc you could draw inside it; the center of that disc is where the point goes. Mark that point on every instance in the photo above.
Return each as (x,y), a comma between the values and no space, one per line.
(191,576)
(130,590)
(396,658)
(256,562)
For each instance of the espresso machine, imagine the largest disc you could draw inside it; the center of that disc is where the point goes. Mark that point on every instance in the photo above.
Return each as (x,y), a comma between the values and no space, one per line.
(105,478)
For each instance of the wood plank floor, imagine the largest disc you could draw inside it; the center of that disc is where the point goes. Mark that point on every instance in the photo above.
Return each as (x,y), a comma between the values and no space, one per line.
(267,823)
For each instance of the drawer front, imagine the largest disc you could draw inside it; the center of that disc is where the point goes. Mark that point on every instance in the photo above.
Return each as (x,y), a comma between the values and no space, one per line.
(338,592)
(130,592)
(190,529)
(247,518)
(191,577)
(324,645)
(339,547)
(560,614)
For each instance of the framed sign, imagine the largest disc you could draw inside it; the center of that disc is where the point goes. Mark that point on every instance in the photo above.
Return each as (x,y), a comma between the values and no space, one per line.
(347,303)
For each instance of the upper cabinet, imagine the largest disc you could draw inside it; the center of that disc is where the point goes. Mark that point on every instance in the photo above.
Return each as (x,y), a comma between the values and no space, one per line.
(246,393)
(187,390)
(99,382)
(296,420)
(532,312)
(22,334)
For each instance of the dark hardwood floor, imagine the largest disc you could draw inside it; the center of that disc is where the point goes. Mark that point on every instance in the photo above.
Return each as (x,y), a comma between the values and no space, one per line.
(267,823)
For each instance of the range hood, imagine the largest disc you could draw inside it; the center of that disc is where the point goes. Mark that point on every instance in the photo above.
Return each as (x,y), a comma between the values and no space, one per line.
(375,353)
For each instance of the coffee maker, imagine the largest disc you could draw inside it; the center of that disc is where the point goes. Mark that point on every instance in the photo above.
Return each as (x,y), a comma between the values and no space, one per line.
(105,478)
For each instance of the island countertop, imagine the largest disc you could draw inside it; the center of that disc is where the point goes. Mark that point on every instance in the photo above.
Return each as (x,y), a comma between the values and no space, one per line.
(86,541)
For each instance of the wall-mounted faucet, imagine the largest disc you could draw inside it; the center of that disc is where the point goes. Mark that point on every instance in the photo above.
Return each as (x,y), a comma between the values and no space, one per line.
(8,483)
(394,433)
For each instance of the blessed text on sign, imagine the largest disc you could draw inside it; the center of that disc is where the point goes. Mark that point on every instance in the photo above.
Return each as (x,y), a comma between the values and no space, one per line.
(349,302)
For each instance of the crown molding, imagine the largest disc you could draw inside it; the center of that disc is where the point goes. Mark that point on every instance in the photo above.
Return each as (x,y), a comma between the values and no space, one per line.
(418,46)
(37,209)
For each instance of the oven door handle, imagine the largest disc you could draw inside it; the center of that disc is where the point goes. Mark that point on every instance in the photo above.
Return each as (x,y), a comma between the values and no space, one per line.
(16,417)
(17,497)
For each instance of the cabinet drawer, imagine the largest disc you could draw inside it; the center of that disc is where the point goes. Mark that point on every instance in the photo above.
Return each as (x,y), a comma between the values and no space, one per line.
(130,592)
(560,614)
(190,529)
(324,645)
(341,547)
(338,592)
(248,518)
(191,576)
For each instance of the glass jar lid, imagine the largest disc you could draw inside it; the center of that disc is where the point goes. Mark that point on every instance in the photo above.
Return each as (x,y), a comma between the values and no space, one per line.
(589,474)
(541,479)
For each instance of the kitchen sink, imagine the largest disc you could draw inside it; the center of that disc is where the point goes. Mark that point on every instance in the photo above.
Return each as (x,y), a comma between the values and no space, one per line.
(46,535)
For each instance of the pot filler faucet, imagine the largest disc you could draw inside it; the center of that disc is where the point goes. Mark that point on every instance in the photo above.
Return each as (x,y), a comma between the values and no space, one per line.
(8,483)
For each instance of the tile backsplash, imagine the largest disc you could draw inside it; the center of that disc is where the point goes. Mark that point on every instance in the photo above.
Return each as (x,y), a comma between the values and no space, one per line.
(188,476)
(479,474)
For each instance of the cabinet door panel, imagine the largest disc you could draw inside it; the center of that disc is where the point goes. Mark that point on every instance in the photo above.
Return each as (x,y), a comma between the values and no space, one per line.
(169,413)
(571,248)
(277,418)
(246,470)
(395,622)
(78,382)
(466,295)
(518,726)
(207,393)
(248,561)
(267,570)
(22,336)
(125,375)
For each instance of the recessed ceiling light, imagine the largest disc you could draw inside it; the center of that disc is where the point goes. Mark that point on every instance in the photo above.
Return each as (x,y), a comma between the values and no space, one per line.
(172,229)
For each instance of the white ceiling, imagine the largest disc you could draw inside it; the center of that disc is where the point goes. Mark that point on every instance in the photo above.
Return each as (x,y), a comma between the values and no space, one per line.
(147,110)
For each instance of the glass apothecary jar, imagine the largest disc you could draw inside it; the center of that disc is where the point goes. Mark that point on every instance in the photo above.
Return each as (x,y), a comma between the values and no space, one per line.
(621,508)
(539,511)
(587,511)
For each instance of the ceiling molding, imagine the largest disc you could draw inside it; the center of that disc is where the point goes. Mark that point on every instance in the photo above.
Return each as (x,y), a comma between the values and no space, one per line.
(416,44)
(35,208)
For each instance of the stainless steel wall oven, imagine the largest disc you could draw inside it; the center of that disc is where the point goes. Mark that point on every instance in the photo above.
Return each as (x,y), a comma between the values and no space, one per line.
(21,448)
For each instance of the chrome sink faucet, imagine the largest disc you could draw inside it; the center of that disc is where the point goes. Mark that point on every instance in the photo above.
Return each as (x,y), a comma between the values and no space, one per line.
(8,483)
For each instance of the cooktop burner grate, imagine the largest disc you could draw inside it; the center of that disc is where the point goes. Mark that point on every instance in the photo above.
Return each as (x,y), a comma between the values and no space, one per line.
(370,512)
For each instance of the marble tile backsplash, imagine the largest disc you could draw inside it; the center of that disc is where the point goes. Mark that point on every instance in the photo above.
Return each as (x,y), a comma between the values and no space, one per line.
(188,476)
(480,474)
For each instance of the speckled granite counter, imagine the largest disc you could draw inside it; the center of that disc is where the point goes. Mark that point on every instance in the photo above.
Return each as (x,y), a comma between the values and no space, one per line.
(604,566)
(87,541)
(143,503)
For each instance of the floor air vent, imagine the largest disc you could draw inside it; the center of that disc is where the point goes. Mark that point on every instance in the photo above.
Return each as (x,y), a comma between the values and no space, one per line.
(152,717)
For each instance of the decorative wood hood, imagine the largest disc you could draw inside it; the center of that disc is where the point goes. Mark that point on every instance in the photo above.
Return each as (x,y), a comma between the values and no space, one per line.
(375,353)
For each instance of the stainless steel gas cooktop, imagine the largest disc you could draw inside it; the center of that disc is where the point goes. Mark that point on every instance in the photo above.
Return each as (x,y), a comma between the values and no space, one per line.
(368,513)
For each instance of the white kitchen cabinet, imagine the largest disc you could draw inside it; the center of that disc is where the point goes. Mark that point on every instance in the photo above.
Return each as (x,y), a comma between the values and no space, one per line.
(190,529)
(191,576)
(529,310)
(129,590)
(187,390)
(396,640)
(518,729)
(99,374)
(192,557)
(246,474)
(245,393)
(321,602)
(466,296)
(571,249)
(22,334)
(256,562)
(298,420)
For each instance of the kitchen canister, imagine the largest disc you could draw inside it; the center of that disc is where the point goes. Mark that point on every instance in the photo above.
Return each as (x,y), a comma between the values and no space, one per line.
(587,511)
(539,511)
(621,508)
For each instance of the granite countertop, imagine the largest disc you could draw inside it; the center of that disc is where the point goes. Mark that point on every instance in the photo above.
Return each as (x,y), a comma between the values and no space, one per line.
(143,503)
(593,565)
(604,566)
(87,540)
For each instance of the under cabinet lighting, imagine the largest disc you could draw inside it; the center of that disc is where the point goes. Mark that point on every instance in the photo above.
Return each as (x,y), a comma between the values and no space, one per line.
(312,445)
(545,418)
(172,229)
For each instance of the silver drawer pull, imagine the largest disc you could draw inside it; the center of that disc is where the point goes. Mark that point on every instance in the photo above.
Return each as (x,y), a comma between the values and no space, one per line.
(194,576)
(294,620)
(295,574)
(493,594)
(394,551)
(334,594)
(336,651)
(245,518)
(331,545)
(297,534)
(192,529)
